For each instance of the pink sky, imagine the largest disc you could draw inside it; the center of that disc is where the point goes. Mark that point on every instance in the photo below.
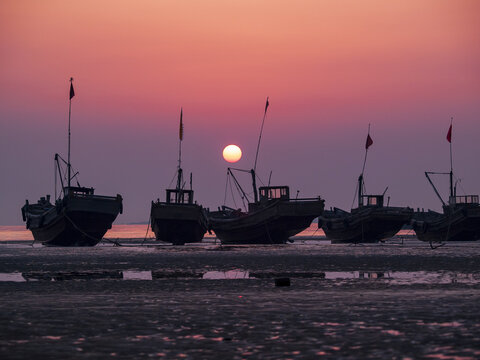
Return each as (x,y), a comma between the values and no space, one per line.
(329,67)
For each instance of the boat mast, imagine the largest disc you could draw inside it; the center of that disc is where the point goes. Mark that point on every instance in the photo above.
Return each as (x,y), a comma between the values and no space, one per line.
(254,183)
(69,166)
(57,163)
(360,190)
(256,155)
(449,138)
(179,170)
(368,143)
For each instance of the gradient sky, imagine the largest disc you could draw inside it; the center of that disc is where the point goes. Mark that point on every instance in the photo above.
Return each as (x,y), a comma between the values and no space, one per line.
(329,67)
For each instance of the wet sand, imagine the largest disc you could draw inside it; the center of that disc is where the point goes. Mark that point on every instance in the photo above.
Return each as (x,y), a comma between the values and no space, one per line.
(393,301)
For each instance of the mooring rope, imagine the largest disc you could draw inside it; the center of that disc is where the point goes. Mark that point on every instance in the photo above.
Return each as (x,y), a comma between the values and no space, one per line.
(148,227)
(116,243)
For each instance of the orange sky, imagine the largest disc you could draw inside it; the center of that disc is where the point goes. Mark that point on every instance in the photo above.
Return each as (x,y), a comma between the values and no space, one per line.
(329,67)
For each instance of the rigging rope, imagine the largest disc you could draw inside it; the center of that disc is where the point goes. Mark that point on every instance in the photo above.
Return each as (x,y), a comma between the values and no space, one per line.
(459,181)
(173,178)
(233,195)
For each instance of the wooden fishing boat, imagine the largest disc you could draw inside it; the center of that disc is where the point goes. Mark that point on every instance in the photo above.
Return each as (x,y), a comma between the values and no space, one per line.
(273,219)
(460,220)
(178,220)
(370,222)
(79,218)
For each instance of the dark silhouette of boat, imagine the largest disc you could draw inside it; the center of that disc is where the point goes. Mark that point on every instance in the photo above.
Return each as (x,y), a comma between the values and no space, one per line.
(178,220)
(460,220)
(79,218)
(370,222)
(271,219)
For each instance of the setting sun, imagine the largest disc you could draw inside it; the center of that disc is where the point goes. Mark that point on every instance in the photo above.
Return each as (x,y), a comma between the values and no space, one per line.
(232,153)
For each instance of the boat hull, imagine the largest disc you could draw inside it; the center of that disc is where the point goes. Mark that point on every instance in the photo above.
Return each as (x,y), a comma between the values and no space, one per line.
(178,223)
(462,224)
(75,221)
(272,224)
(368,225)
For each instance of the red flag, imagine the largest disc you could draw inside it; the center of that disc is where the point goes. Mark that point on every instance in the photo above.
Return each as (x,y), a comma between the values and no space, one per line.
(72,93)
(266,105)
(449,134)
(369,142)
(180,131)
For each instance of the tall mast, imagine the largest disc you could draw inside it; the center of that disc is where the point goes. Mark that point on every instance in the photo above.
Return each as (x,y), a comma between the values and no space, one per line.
(368,143)
(449,138)
(180,137)
(260,136)
(72,94)
(254,183)
(253,171)
(360,190)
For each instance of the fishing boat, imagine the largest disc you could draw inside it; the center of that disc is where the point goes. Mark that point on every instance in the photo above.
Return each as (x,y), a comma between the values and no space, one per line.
(460,220)
(370,222)
(77,217)
(271,218)
(178,219)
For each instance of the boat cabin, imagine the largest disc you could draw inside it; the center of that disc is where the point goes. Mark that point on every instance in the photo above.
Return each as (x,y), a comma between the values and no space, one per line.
(463,200)
(371,201)
(175,196)
(274,192)
(78,190)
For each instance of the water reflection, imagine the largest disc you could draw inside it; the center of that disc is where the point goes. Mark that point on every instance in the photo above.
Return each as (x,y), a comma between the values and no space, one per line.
(137,275)
(15,277)
(230,275)
(392,277)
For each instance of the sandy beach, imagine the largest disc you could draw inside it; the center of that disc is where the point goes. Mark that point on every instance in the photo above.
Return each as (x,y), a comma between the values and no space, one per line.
(389,300)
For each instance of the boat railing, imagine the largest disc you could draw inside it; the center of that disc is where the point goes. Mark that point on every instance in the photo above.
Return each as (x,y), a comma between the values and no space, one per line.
(306,199)
(268,201)
(91,196)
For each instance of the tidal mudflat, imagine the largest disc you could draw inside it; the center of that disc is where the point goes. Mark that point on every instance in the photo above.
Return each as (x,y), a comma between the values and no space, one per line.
(393,300)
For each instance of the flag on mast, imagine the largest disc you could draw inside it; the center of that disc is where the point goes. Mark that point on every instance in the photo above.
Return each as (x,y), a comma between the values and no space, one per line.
(369,142)
(180,131)
(449,134)
(266,106)
(72,93)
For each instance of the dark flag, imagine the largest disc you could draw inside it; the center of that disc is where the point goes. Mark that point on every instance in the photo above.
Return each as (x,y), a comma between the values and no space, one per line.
(180,131)
(449,134)
(72,93)
(369,142)
(266,106)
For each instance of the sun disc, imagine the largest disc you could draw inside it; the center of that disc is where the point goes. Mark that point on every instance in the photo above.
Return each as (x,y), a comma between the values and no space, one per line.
(232,153)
